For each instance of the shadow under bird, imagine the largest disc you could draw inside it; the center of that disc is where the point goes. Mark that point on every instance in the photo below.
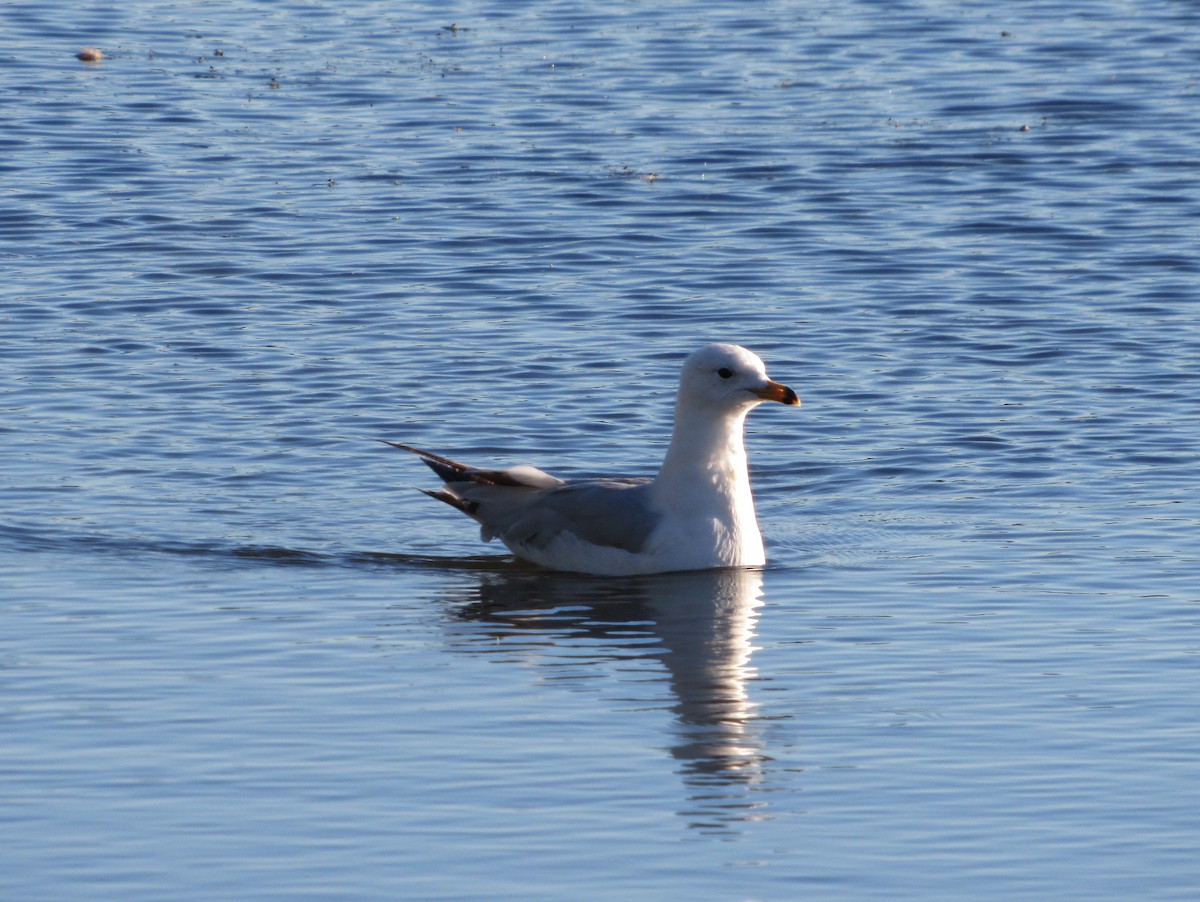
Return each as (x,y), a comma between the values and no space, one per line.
(696,514)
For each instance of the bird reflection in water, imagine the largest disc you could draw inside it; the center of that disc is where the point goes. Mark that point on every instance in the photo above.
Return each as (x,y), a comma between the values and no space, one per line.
(699,626)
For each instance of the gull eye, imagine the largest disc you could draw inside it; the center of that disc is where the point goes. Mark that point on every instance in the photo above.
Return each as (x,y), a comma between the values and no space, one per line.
(725,372)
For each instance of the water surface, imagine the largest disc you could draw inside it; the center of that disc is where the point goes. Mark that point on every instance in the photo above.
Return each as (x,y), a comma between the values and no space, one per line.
(242,658)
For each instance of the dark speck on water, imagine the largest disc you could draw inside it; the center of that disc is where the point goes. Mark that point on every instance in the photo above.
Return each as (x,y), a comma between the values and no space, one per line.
(242,657)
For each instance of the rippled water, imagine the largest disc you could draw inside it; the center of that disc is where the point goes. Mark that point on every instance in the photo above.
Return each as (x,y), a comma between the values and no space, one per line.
(241,658)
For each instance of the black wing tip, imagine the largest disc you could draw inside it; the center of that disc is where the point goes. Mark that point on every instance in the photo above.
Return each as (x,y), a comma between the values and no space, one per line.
(429,455)
(462,504)
(452,471)
(449,470)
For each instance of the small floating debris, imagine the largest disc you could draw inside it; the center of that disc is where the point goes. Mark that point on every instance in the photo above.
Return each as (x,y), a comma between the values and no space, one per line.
(90,55)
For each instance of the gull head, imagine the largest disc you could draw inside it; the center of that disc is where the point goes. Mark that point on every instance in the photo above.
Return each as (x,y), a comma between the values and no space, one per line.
(728,379)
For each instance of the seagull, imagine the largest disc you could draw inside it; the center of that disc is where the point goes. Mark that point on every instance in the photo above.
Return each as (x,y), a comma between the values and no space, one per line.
(696,514)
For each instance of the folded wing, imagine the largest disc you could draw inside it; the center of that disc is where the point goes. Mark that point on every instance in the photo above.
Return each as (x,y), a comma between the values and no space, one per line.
(528,508)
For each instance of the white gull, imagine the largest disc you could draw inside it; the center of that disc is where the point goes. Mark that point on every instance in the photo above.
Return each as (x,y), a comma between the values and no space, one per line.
(696,514)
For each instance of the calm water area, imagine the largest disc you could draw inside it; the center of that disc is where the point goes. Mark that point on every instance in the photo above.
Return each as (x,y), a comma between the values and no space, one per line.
(241,657)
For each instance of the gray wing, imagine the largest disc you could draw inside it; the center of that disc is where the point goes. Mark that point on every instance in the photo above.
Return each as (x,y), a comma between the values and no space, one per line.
(525,506)
(609,512)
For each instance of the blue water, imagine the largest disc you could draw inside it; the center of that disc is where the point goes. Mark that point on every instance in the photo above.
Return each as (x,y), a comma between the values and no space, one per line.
(242,658)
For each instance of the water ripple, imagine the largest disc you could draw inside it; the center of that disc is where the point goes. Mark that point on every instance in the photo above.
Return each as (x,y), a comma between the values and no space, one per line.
(248,243)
